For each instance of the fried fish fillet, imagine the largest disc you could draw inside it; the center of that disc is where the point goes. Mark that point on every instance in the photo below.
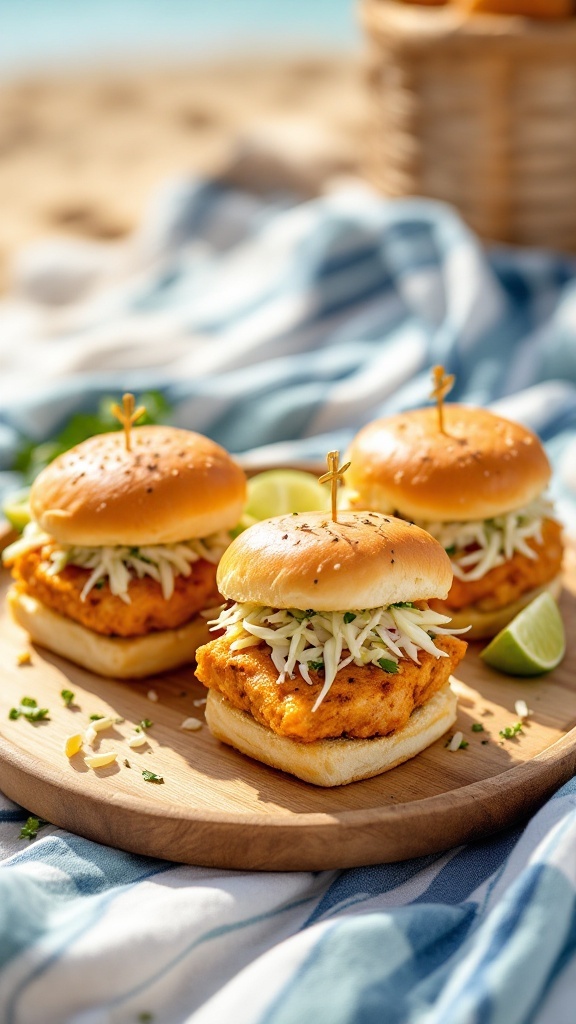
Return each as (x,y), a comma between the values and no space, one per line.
(105,612)
(507,582)
(361,702)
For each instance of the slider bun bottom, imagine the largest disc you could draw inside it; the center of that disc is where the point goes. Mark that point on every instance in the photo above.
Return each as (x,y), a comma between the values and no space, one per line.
(333,762)
(119,657)
(486,624)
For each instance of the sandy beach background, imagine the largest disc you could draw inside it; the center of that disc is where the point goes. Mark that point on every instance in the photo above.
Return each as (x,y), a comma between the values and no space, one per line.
(81,153)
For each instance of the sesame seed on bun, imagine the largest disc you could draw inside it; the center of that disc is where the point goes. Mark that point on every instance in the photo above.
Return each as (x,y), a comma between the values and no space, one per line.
(170,486)
(305,560)
(482,466)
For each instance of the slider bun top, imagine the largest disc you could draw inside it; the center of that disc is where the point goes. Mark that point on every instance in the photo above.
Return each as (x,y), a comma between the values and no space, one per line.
(482,466)
(171,486)
(305,560)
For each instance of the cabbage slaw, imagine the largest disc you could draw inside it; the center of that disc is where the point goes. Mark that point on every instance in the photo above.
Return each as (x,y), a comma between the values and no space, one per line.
(496,540)
(119,564)
(298,638)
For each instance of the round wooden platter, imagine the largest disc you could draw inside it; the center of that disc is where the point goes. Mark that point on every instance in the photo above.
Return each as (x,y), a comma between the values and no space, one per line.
(218,808)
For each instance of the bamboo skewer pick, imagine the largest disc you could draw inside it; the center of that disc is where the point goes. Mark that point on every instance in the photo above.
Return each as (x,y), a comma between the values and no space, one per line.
(333,476)
(128,415)
(443,384)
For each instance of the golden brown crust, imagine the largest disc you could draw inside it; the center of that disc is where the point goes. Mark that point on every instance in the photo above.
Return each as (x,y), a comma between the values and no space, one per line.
(361,703)
(305,560)
(172,485)
(482,466)
(119,657)
(106,613)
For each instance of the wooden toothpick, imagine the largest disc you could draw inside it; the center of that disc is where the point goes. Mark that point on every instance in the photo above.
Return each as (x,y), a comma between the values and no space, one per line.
(128,415)
(333,476)
(443,384)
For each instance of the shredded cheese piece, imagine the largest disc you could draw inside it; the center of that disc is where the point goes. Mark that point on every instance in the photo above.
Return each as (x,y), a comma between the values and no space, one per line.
(100,760)
(191,723)
(455,741)
(494,540)
(152,695)
(90,735)
(103,723)
(138,740)
(73,744)
(335,639)
(120,564)
(521,708)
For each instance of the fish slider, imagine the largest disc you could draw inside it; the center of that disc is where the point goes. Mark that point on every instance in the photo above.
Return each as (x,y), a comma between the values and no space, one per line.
(478,486)
(121,555)
(331,665)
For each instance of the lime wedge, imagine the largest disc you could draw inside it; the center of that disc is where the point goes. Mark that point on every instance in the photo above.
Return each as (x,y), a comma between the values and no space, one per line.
(16,509)
(534,642)
(278,491)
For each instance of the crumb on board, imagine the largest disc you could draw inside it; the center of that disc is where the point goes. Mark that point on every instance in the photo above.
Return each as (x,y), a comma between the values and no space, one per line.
(191,724)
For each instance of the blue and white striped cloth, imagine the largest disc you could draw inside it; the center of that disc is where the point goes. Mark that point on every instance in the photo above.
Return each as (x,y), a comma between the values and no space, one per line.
(279,329)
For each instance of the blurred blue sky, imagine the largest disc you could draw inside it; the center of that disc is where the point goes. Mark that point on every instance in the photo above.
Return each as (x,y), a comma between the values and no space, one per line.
(53,34)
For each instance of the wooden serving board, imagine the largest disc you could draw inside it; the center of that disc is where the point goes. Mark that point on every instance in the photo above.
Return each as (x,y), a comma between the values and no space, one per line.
(220,809)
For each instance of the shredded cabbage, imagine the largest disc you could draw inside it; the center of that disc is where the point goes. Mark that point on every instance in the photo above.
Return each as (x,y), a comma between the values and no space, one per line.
(298,638)
(497,539)
(120,564)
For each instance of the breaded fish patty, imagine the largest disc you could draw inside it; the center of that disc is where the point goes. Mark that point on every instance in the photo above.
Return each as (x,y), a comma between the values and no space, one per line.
(507,582)
(105,612)
(361,702)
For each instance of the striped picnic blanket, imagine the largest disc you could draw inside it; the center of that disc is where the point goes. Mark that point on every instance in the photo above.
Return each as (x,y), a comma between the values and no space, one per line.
(279,328)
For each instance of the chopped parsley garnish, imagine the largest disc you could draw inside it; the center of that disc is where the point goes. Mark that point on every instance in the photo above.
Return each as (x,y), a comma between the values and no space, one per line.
(387,665)
(403,604)
(477,727)
(145,724)
(28,709)
(67,697)
(30,829)
(511,731)
(151,776)
(349,617)
(451,550)
(463,744)
(96,718)
(316,665)
(99,584)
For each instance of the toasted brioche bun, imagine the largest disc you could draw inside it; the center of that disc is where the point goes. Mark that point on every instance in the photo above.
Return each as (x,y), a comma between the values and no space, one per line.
(486,624)
(305,560)
(482,466)
(132,658)
(331,762)
(172,485)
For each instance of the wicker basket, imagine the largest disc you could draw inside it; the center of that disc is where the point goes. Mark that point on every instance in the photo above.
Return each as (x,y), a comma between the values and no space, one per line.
(479,111)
